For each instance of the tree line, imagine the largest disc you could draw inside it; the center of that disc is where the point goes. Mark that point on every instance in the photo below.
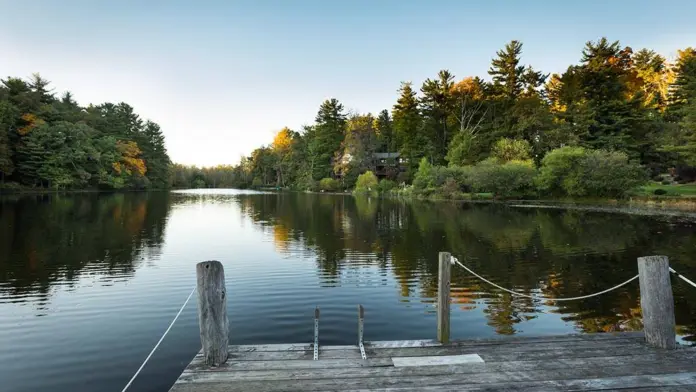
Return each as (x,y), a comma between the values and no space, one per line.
(614,101)
(52,142)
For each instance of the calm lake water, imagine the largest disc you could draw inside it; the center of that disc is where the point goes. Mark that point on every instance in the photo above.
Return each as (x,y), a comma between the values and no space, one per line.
(89,282)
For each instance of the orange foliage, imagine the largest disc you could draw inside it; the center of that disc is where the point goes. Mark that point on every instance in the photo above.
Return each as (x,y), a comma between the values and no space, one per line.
(469,88)
(130,158)
(282,140)
(31,121)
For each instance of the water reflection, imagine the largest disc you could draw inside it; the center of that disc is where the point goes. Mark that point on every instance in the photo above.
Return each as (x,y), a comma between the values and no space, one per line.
(48,240)
(555,253)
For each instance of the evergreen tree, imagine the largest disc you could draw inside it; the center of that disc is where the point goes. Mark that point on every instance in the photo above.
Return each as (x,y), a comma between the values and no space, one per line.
(385,132)
(154,153)
(507,71)
(328,135)
(6,162)
(610,119)
(683,91)
(407,127)
(437,106)
(681,136)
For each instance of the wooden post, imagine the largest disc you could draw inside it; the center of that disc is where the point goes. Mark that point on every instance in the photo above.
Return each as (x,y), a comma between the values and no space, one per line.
(443,297)
(657,301)
(212,311)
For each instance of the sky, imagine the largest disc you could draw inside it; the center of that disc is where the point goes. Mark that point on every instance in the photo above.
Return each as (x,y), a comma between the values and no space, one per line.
(222,77)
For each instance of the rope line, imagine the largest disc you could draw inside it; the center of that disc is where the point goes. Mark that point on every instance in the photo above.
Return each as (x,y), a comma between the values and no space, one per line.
(682,277)
(158,343)
(542,297)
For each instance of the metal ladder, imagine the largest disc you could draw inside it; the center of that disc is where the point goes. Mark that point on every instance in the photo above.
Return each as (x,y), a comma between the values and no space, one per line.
(361,327)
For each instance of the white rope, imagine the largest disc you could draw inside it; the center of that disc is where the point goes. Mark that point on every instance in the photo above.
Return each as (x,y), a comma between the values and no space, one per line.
(160,341)
(682,277)
(541,297)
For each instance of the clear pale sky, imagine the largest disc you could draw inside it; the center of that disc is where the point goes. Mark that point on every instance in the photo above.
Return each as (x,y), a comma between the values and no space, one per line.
(221,77)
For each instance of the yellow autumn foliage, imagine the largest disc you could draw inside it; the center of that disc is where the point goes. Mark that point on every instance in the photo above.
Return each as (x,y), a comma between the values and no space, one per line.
(130,158)
(31,121)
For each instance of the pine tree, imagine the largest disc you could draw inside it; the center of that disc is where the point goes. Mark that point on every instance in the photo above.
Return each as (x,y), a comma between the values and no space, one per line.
(385,132)
(328,135)
(683,91)
(437,106)
(407,127)
(611,121)
(154,153)
(507,71)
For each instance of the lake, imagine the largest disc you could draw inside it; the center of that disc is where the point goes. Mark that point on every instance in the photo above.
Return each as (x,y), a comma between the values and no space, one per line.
(89,282)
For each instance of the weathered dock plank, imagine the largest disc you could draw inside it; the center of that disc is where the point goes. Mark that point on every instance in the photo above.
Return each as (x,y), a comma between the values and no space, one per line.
(555,363)
(648,361)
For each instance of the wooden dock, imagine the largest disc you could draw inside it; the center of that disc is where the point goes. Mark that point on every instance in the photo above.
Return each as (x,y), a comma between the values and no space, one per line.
(558,363)
(645,361)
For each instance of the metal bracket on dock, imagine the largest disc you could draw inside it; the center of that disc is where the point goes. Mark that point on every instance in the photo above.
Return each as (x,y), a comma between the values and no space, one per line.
(361,322)
(316,333)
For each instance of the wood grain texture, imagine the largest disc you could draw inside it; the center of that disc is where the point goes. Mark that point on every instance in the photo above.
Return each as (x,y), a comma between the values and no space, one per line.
(382,367)
(657,301)
(621,361)
(212,312)
(443,297)
(598,378)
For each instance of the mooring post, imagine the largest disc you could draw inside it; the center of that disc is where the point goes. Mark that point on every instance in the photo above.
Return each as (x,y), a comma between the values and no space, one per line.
(212,311)
(443,297)
(657,301)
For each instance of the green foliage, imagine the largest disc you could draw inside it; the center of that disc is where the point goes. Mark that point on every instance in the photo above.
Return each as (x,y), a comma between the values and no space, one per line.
(506,150)
(385,186)
(506,71)
(327,137)
(367,182)
(358,148)
(329,185)
(430,180)
(50,142)
(385,132)
(490,134)
(407,126)
(575,171)
(659,192)
(558,167)
(256,183)
(504,180)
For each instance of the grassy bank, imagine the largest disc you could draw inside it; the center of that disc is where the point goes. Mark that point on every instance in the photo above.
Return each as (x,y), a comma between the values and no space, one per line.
(683,191)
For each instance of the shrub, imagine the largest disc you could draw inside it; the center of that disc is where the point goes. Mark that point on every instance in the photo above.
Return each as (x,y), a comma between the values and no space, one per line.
(666,182)
(576,171)
(306,183)
(329,184)
(506,150)
(556,167)
(506,180)
(385,186)
(254,184)
(608,173)
(429,179)
(657,178)
(659,192)
(450,190)
(367,182)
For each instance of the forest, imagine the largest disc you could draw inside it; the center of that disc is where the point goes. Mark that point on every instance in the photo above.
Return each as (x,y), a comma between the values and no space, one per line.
(49,142)
(608,123)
